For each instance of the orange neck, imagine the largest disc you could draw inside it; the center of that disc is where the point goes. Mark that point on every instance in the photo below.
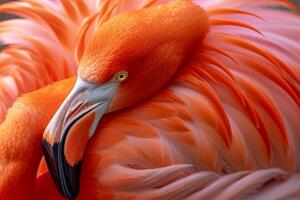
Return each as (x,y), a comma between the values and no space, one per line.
(21,136)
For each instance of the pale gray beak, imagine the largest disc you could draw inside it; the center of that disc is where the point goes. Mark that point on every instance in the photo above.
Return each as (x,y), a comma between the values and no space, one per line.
(69,130)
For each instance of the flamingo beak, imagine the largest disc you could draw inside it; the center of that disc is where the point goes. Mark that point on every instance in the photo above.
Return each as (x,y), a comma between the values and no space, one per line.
(67,134)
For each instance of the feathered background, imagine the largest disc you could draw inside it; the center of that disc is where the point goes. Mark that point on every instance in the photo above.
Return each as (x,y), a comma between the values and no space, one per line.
(258,65)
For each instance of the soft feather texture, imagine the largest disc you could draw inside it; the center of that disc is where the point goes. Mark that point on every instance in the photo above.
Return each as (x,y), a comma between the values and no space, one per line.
(227,127)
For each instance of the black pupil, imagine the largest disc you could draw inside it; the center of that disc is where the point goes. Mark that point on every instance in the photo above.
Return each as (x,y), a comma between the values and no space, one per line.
(121,76)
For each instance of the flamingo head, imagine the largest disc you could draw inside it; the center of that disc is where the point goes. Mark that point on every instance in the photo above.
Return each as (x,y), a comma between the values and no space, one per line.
(128,59)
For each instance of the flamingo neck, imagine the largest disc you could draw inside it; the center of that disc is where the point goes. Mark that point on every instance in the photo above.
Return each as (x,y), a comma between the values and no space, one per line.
(21,136)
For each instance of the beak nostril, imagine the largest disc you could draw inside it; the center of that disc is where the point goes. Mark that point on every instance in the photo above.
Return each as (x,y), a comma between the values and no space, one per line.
(73,110)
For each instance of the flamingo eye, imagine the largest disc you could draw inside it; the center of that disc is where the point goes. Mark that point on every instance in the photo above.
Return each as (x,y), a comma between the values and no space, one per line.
(121,76)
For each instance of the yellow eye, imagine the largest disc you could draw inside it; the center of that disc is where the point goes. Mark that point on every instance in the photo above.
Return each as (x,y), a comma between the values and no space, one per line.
(121,76)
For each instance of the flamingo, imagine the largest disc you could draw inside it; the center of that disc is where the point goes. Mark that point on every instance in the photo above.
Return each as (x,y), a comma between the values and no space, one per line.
(172,100)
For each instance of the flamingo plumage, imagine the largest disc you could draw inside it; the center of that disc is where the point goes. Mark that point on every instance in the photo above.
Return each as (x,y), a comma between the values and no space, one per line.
(222,123)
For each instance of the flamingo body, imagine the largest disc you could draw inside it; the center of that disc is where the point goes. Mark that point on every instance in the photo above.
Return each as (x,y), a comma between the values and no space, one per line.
(223,125)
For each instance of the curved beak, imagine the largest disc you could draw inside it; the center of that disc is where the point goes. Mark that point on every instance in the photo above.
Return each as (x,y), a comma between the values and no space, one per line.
(67,134)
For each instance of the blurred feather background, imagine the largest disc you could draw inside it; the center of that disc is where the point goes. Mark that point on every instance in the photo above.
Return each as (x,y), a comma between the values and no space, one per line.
(297,2)
(5,16)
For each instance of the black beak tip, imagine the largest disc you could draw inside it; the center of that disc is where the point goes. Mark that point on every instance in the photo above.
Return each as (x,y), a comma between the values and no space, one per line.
(65,176)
